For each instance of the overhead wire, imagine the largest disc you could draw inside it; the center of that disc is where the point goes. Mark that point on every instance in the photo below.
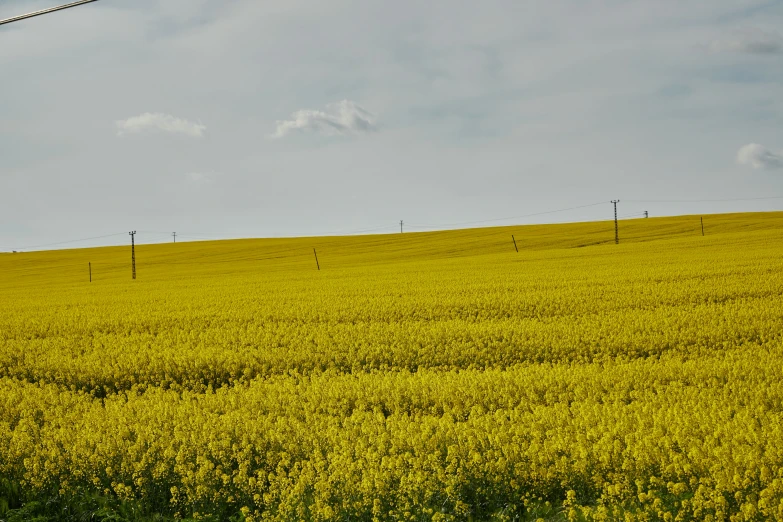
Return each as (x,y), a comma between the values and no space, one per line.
(415,226)
(507,218)
(40,12)
(697,200)
(67,242)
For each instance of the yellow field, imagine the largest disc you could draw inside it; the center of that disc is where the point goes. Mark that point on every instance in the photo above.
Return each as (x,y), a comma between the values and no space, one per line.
(428,376)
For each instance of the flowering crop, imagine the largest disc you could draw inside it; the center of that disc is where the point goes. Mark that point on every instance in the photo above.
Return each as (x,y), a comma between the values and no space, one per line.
(415,377)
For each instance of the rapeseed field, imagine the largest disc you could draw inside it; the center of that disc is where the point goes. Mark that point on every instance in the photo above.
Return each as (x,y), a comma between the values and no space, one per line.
(424,376)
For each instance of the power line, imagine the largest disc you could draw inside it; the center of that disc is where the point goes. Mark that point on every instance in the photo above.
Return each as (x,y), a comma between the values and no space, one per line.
(44,11)
(203,238)
(355,232)
(69,241)
(389,227)
(697,200)
(344,232)
(419,225)
(507,218)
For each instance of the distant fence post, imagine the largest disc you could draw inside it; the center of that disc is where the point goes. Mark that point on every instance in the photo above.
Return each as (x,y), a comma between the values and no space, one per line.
(702,225)
(515,243)
(316,259)
(89,267)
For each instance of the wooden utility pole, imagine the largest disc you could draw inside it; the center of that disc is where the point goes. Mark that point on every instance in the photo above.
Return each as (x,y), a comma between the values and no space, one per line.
(133,252)
(400,226)
(515,243)
(616,230)
(316,259)
(175,236)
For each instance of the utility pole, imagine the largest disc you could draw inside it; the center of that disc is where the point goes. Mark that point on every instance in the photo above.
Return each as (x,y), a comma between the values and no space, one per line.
(175,236)
(400,226)
(44,11)
(616,230)
(316,259)
(133,252)
(89,266)
(515,243)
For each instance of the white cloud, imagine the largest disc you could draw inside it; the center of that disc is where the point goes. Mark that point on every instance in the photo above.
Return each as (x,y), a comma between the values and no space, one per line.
(340,118)
(160,122)
(752,41)
(759,157)
(200,178)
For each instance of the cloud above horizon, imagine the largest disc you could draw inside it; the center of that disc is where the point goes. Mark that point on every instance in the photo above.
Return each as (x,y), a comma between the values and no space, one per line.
(159,122)
(760,157)
(200,178)
(751,41)
(341,118)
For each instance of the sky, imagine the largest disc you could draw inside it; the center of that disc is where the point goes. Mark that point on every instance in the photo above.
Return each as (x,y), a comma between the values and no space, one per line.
(242,118)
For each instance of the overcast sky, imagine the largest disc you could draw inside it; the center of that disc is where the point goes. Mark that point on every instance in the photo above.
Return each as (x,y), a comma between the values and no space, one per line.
(249,118)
